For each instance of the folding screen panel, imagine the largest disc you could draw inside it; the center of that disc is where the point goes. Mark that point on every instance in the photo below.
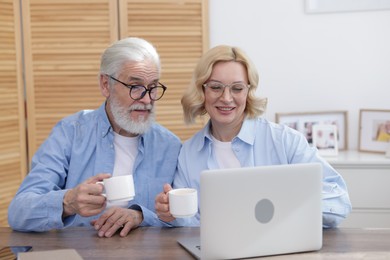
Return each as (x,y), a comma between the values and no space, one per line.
(13,152)
(63,42)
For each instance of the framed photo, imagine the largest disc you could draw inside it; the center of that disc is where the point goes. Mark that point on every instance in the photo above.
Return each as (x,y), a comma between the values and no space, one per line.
(304,122)
(325,139)
(374,130)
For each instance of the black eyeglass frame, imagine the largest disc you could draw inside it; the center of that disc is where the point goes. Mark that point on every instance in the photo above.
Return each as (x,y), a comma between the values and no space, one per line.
(130,87)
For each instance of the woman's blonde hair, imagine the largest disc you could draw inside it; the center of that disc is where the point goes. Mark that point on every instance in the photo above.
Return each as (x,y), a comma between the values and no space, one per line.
(193,99)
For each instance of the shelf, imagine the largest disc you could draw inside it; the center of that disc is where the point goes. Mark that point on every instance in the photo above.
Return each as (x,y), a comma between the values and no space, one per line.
(356,158)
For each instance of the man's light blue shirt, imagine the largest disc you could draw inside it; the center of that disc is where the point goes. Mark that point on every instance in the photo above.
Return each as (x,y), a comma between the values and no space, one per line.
(261,143)
(81,146)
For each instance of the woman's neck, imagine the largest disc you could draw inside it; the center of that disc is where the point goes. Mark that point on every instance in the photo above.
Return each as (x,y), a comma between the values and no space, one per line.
(225,133)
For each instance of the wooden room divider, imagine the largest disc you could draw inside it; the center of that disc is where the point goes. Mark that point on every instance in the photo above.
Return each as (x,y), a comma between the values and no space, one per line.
(60,43)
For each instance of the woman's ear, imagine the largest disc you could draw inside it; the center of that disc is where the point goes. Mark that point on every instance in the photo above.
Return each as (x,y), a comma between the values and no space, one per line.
(104,85)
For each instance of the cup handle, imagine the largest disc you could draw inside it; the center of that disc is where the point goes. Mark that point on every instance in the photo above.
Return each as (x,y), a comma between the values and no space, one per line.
(102,183)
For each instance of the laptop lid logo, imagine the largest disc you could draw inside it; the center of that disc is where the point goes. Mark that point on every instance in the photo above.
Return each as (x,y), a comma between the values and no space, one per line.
(264,211)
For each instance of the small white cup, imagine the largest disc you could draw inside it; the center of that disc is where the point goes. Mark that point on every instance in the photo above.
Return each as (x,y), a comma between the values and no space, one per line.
(119,188)
(183,202)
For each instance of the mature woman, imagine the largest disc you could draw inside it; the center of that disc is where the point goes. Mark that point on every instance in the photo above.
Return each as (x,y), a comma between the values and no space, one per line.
(224,87)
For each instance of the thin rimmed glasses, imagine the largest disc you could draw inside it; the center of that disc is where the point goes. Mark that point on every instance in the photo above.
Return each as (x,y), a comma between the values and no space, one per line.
(217,88)
(137,92)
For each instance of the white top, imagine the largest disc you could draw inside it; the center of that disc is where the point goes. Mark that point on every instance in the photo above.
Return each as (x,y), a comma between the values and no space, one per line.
(224,154)
(126,150)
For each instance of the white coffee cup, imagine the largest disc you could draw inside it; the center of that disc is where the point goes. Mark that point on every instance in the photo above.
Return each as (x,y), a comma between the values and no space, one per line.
(183,202)
(119,188)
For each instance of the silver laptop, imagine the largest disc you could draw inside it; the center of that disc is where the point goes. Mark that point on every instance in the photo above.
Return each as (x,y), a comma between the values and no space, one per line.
(259,211)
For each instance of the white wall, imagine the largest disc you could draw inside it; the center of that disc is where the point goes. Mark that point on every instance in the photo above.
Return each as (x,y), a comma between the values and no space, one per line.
(310,62)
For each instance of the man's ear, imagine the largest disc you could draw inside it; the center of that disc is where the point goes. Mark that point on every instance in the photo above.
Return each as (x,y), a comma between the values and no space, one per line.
(104,85)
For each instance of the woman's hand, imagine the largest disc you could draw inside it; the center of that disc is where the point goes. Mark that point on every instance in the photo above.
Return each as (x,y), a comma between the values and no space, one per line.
(162,205)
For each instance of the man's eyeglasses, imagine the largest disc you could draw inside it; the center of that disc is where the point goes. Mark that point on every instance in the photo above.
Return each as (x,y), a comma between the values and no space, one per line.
(236,89)
(137,92)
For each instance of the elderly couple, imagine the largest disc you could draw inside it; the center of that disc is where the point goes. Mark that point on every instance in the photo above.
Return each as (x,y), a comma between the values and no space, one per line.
(121,137)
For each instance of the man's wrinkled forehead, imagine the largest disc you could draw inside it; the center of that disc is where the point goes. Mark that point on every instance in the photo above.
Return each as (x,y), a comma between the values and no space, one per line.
(145,71)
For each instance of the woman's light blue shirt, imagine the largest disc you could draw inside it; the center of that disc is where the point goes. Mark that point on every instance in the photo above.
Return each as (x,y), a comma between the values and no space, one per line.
(259,143)
(81,146)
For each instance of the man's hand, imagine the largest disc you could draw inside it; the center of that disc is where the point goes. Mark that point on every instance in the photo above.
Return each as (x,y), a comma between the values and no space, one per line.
(85,199)
(162,205)
(117,218)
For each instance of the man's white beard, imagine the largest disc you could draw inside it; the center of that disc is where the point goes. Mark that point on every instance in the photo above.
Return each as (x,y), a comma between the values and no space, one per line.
(123,120)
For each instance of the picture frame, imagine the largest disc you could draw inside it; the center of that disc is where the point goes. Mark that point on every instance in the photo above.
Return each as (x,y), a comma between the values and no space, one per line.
(304,121)
(374,130)
(325,139)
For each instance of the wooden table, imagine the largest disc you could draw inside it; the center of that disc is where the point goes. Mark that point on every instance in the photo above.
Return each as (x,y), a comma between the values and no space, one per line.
(160,243)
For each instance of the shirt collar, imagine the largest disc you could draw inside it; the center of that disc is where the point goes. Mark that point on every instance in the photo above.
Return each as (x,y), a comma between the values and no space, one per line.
(247,131)
(104,123)
(205,136)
